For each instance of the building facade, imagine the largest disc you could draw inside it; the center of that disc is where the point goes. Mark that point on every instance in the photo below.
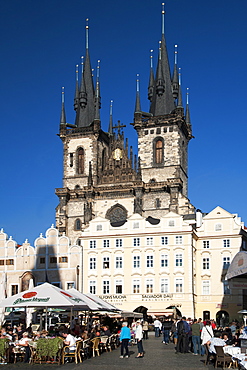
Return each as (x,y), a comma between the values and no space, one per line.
(155,264)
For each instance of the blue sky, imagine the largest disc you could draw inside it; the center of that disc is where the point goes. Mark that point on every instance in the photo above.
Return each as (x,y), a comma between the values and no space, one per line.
(42,41)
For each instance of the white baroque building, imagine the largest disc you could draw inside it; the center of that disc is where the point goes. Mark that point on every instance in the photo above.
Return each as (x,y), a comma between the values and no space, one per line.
(174,261)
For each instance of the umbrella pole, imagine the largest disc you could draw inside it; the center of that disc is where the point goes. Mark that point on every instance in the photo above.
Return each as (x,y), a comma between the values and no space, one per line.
(71,317)
(46,318)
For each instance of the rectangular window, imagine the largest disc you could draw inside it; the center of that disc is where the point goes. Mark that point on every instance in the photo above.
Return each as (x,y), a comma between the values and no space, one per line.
(1,262)
(14,289)
(149,286)
(226,243)
(206,287)
(150,240)
(106,262)
(136,225)
(92,286)
(136,242)
(164,240)
(119,262)
(119,287)
(164,260)
(63,259)
(99,228)
(205,243)
(205,263)
(92,263)
(136,262)
(119,243)
(164,286)
(226,262)
(226,288)
(179,260)
(179,285)
(10,262)
(106,243)
(42,260)
(92,244)
(136,286)
(53,259)
(150,261)
(106,286)
(179,239)
(70,285)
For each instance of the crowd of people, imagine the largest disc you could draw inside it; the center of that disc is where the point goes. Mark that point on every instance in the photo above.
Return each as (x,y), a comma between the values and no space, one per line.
(194,335)
(187,335)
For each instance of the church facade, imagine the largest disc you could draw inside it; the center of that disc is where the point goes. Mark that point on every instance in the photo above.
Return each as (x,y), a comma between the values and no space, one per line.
(102,177)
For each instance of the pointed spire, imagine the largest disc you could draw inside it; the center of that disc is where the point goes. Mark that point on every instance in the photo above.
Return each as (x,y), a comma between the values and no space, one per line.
(138,102)
(131,156)
(162,101)
(110,131)
(187,114)
(82,94)
(180,100)
(97,94)
(151,78)
(86,111)
(63,115)
(175,81)
(76,98)
(127,146)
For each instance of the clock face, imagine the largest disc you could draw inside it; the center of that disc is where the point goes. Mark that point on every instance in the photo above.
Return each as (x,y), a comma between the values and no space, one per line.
(117,154)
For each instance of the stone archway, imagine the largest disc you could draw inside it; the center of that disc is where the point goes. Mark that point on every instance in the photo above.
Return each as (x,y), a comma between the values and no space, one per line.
(222,318)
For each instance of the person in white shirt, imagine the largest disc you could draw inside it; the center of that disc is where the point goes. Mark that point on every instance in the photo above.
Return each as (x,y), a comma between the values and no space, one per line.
(24,342)
(157,327)
(215,341)
(139,337)
(69,341)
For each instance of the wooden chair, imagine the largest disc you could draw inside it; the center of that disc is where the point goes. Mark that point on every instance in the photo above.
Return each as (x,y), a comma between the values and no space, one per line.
(79,351)
(104,343)
(221,357)
(209,355)
(19,352)
(95,346)
(67,353)
(86,348)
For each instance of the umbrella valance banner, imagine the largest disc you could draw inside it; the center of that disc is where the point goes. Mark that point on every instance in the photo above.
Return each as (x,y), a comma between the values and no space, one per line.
(104,305)
(45,295)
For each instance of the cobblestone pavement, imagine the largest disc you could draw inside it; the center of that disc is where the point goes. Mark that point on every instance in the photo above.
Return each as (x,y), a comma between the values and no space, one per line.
(156,354)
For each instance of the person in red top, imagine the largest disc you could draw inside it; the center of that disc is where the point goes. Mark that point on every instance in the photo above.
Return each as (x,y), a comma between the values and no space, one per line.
(213,324)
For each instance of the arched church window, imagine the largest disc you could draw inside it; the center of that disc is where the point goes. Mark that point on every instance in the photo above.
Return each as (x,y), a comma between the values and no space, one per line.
(80,161)
(77,224)
(158,151)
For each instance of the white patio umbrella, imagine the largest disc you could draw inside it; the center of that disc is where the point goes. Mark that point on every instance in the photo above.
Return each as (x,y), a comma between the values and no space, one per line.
(29,310)
(104,305)
(45,295)
(93,306)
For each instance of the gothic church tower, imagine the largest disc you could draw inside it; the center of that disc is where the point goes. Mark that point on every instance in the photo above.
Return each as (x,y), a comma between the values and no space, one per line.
(101,175)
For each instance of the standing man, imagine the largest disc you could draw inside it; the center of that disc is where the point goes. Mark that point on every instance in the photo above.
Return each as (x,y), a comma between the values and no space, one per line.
(139,339)
(125,336)
(166,328)
(183,336)
(196,337)
(157,327)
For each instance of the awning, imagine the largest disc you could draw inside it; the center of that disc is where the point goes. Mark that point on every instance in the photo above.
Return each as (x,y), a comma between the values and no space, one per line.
(238,266)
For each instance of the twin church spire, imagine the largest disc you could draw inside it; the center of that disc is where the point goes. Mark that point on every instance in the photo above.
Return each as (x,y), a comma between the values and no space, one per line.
(164,91)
